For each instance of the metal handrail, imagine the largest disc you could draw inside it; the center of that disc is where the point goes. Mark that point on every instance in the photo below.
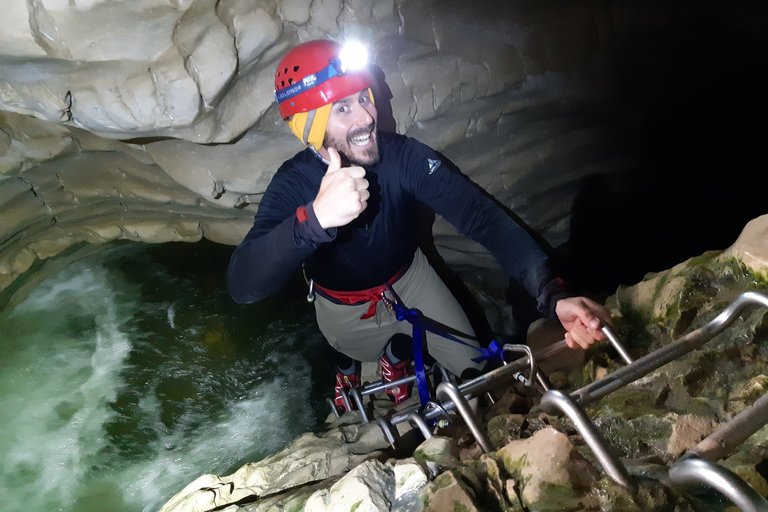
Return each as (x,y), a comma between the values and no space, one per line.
(358,398)
(525,349)
(555,401)
(658,358)
(415,419)
(617,345)
(386,427)
(728,436)
(480,384)
(689,472)
(448,390)
(357,393)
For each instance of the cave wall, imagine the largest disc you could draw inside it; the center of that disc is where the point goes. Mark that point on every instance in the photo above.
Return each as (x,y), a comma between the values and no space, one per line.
(614,129)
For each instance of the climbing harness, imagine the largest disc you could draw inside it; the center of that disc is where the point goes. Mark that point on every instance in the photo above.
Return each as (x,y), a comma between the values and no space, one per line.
(421,326)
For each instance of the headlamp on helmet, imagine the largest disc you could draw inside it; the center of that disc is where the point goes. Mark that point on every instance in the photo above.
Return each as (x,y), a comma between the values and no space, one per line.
(318,73)
(353,56)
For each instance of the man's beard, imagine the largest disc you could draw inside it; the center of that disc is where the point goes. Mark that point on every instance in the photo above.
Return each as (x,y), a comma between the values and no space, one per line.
(370,155)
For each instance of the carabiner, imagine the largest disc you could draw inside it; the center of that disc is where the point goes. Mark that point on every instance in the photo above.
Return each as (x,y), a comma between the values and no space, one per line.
(311,294)
(392,299)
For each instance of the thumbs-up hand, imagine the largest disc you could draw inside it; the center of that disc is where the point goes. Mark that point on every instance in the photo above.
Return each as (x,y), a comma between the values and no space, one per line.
(343,193)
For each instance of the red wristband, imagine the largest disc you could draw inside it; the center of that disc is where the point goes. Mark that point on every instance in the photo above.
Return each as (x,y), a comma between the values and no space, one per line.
(301,213)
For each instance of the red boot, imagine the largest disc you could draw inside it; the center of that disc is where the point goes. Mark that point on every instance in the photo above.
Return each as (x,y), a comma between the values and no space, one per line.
(345,382)
(391,372)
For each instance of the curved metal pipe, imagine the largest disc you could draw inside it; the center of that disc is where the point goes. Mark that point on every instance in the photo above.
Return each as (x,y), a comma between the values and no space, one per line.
(333,407)
(525,349)
(617,345)
(542,380)
(479,384)
(358,398)
(658,358)
(446,376)
(386,428)
(728,436)
(692,471)
(434,409)
(345,397)
(416,420)
(556,401)
(448,390)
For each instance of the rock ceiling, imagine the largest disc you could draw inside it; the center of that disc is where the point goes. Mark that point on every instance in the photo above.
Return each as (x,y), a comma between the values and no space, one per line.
(154,120)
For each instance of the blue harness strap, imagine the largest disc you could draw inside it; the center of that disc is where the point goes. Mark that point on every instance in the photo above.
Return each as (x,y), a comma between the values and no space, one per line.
(420,326)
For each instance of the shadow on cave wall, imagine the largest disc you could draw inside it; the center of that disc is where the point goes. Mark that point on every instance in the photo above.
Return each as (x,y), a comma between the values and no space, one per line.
(692,97)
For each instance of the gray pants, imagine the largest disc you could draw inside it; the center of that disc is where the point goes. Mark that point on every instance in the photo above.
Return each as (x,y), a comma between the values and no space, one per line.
(419,288)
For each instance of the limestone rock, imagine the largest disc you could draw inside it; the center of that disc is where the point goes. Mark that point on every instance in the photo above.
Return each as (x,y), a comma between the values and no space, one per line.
(409,478)
(553,475)
(504,428)
(499,490)
(745,464)
(229,175)
(437,454)
(370,487)
(687,431)
(208,49)
(751,247)
(255,26)
(448,492)
(748,392)
(25,142)
(206,493)
(310,458)
(650,496)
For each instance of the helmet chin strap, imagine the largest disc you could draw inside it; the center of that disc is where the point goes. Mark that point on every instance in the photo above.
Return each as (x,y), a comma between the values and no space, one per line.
(319,155)
(310,126)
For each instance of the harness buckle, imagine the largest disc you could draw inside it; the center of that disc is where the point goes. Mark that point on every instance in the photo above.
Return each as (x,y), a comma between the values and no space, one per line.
(311,294)
(390,298)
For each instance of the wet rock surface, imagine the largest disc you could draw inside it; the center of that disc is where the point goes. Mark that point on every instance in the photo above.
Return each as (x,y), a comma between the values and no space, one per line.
(542,462)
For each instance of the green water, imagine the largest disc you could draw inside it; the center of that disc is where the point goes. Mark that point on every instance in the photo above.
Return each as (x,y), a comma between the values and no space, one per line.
(131,373)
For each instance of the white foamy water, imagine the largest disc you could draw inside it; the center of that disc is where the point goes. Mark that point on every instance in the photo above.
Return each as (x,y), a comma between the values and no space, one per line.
(105,406)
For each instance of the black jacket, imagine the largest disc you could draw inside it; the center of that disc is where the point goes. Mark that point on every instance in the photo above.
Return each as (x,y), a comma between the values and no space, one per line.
(371,249)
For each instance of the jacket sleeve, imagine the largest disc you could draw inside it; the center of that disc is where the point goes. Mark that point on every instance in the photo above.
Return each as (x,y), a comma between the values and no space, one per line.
(283,236)
(476,214)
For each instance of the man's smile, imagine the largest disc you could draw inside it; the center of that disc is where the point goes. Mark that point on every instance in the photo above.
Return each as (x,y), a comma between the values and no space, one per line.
(362,137)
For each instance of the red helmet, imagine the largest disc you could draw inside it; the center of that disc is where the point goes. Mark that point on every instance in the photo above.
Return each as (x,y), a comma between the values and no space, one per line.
(311,76)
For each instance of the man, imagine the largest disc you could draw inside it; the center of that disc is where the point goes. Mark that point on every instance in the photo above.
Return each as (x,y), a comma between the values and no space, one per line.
(345,207)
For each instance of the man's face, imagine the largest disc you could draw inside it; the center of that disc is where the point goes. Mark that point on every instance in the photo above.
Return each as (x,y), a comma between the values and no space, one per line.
(351,129)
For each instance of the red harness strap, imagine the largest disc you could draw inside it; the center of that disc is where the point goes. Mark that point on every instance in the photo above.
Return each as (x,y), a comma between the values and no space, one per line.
(358,297)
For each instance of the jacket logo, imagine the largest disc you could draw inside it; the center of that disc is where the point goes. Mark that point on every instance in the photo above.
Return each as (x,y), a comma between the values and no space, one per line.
(433,165)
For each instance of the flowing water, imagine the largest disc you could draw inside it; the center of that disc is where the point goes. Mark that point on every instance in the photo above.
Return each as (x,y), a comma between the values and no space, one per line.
(131,373)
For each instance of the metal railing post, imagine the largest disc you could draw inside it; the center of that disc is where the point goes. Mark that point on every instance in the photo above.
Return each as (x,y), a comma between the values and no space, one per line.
(448,390)
(658,358)
(555,401)
(689,472)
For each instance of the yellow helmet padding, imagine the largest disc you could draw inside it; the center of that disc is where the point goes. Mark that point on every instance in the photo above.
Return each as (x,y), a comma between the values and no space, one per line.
(310,126)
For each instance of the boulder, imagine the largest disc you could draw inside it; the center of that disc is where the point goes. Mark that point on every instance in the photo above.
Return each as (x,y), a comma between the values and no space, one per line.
(551,473)
(311,458)
(751,248)
(449,492)
(409,478)
(687,431)
(437,454)
(370,487)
